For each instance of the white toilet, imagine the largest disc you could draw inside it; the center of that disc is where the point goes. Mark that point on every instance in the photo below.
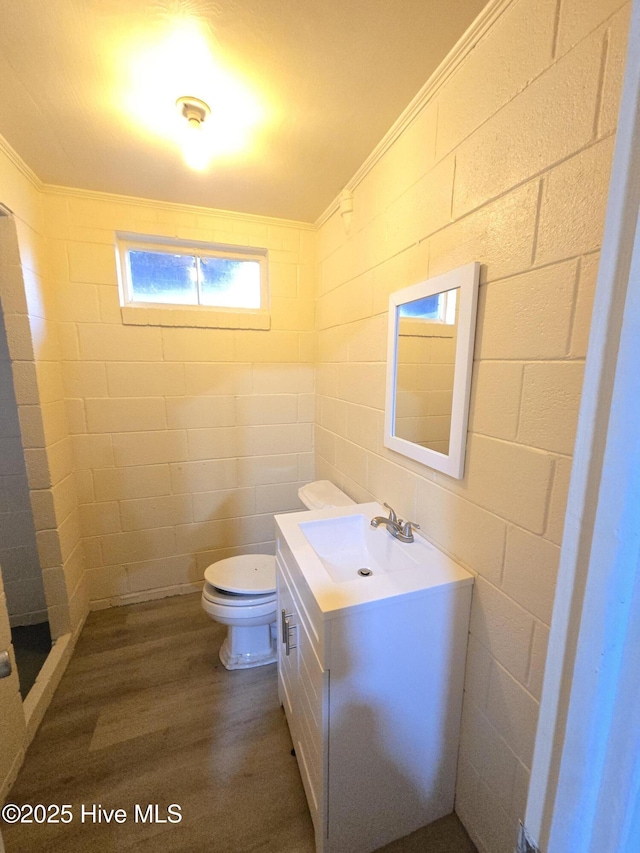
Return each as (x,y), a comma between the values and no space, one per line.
(241,592)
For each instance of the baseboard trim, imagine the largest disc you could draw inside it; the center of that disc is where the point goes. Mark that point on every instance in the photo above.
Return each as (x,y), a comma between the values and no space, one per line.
(145,595)
(10,778)
(38,699)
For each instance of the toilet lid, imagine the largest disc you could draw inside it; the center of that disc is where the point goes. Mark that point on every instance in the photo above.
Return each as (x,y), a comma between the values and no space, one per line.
(250,573)
(322,494)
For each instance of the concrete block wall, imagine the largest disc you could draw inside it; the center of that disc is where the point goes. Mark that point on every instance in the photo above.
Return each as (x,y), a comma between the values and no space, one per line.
(30,322)
(37,371)
(18,551)
(507,164)
(185,441)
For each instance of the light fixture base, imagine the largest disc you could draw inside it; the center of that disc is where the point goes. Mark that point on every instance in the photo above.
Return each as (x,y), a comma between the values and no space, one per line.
(193,109)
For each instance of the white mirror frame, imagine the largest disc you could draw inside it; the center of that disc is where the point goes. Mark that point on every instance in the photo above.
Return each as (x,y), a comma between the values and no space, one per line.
(466,278)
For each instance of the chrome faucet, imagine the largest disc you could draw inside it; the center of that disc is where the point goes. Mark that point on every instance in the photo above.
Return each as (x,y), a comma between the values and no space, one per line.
(401,530)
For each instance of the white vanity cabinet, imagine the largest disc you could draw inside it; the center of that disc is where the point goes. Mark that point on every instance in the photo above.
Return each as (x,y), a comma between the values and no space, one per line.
(372,691)
(303,689)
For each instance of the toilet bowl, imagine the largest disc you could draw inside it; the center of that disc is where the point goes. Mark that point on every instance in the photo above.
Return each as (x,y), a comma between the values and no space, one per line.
(240,592)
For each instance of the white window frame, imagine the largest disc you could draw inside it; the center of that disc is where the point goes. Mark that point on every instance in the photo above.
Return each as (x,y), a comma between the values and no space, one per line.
(200,316)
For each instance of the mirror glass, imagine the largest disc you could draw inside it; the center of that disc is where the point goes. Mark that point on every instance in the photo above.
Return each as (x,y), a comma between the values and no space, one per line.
(426,353)
(431,330)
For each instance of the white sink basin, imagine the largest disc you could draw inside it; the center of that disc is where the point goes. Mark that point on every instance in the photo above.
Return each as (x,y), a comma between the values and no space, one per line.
(349,543)
(329,546)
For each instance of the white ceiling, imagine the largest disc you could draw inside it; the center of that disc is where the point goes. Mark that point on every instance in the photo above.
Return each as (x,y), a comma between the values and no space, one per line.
(332,76)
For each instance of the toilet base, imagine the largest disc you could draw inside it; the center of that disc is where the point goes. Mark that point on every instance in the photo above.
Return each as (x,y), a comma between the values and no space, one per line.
(248,646)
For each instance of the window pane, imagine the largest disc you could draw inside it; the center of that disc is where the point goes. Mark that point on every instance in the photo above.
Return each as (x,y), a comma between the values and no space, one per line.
(427,308)
(161,277)
(230,283)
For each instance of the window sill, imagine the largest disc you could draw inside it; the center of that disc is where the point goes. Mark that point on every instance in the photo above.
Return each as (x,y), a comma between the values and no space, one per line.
(197,317)
(426,329)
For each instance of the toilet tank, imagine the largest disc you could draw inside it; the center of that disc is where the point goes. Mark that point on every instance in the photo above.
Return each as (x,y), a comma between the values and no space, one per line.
(322,494)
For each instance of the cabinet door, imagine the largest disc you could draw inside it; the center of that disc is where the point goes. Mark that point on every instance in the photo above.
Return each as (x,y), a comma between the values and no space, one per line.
(302,692)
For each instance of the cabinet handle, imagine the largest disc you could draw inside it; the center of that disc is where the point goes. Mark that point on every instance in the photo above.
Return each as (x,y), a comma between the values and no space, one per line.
(287,636)
(283,622)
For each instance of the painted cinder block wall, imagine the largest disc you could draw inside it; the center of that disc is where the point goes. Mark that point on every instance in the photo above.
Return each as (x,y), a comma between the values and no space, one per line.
(19,559)
(507,164)
(152,452)
(185,441)
(30,321)
(30,325)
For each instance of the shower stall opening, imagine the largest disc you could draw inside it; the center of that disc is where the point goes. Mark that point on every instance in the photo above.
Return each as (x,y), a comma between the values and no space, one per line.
(19,562)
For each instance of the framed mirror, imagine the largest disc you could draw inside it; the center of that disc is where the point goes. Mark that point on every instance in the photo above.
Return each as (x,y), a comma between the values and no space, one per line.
(429,362)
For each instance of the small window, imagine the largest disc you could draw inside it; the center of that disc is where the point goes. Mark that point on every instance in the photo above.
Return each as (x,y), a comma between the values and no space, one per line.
(220,283)
(438,308)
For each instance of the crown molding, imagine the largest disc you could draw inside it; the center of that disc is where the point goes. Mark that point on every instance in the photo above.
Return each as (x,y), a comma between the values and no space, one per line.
(16,160)
(178,207)
(449,65)
(94,195)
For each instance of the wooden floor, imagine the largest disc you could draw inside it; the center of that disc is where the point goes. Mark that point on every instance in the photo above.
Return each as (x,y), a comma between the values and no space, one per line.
(146,714)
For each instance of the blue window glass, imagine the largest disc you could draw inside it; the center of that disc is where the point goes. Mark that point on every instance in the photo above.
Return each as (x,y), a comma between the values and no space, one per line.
(163,277)
(182,279)
(427,308)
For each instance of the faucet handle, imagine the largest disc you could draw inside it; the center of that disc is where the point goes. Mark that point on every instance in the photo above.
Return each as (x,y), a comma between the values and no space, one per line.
(392,514)
(407,528)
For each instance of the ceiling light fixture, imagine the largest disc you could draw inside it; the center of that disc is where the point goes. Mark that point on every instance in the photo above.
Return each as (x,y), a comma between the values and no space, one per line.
(195,147)
(194,110)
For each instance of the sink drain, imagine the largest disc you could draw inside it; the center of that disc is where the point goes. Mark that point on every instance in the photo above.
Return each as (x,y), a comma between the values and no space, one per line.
(364,573)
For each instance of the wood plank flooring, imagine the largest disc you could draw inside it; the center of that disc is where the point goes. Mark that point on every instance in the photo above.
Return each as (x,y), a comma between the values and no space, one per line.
(147,714)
